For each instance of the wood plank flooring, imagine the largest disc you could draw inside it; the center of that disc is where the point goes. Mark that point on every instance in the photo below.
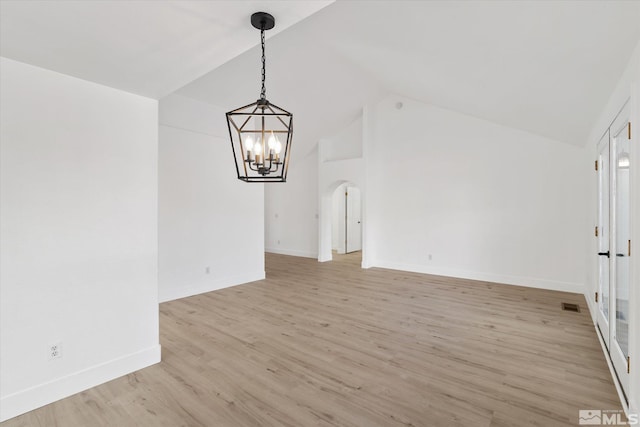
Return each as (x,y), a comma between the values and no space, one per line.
(333,345)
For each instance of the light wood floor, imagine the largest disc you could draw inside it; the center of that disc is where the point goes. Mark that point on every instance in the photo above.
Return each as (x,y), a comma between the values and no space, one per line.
(331,344)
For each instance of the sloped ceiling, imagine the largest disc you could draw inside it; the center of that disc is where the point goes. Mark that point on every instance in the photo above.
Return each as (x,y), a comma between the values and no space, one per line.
(546,67)
(145,47)
(323,90)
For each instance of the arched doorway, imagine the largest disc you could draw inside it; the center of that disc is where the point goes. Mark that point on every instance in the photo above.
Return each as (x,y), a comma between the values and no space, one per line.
(340,228)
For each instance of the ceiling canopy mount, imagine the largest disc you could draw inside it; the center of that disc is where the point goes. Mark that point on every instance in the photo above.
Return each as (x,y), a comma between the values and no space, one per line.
(263,21)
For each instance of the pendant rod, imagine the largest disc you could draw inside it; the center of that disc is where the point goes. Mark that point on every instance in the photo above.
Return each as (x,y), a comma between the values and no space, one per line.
(263,22)
(263,92)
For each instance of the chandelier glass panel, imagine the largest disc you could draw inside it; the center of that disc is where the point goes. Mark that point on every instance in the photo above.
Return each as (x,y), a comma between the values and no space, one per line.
(261,132)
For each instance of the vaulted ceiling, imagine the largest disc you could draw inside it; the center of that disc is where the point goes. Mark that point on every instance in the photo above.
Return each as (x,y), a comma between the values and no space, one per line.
(546,67)
(150,48)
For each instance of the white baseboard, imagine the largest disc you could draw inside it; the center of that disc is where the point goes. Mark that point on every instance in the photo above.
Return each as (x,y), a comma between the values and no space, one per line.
(292,252)
(208,286)
(485,277)
(632,408)
(34,397)
(614,377)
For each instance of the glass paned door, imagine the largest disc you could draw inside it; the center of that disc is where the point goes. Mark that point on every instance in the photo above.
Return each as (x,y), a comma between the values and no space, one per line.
(621,232)
(614,244)
(623,241)
(604,301)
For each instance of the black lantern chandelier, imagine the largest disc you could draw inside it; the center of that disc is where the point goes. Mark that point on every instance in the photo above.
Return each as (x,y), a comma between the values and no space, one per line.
(261,132)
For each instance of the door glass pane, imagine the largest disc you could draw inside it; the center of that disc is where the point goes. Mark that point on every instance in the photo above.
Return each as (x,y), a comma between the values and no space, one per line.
(603,227)
(623,237)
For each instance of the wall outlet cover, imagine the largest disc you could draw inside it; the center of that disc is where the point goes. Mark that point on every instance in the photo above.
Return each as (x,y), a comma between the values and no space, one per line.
(54,351)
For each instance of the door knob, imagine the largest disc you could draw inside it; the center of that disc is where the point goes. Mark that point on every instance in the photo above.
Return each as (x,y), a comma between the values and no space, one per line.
(604,254)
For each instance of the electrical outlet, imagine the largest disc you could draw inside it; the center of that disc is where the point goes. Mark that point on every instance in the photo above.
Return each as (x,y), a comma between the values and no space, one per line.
(430,257)
(55,351)
(278,241)
(207,270)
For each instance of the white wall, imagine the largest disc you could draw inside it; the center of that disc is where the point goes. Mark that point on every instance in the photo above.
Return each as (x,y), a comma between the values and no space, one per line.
(346,144)
(291,208)
(628,87)
(210,223)
(78,235)
(485,201)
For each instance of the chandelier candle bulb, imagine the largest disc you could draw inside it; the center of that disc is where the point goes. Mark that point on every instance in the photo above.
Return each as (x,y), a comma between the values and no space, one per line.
(249,143)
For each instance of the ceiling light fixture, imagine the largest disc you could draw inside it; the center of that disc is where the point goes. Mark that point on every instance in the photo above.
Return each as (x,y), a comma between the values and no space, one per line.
(261,132)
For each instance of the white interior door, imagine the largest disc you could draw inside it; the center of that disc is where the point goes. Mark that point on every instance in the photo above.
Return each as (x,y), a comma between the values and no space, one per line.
(621,245)
(338,219)
(603,234)
(353,220)
(614,243)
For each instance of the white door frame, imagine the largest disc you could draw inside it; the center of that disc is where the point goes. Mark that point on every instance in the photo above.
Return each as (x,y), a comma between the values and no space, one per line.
(607,244)
(618,129)
(604,233)
(350,245)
